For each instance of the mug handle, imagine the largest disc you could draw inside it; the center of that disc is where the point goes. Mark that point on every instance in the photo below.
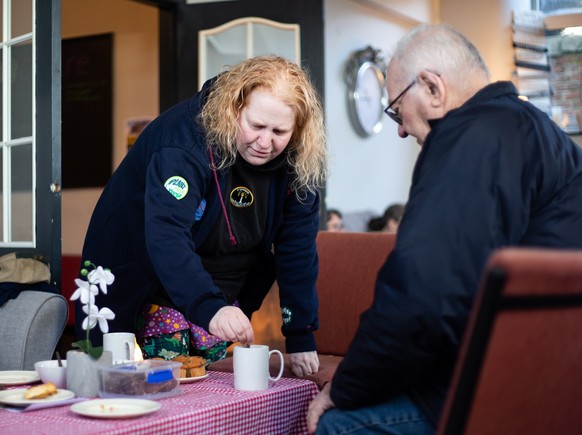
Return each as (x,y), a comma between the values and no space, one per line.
(127,350)
(276,378)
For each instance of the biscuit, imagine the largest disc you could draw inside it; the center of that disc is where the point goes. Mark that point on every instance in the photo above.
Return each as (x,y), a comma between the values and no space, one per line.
(40,391)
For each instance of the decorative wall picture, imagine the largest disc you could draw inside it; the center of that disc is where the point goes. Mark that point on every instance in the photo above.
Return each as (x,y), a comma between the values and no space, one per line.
(134,127)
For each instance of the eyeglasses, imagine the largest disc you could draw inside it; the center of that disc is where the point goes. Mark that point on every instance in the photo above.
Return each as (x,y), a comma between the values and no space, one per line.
(391,113)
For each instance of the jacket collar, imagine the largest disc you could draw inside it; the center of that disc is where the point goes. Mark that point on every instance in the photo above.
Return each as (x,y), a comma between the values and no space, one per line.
(489,92)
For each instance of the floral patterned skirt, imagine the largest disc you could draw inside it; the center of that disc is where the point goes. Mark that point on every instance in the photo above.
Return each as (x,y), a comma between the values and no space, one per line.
(164,332)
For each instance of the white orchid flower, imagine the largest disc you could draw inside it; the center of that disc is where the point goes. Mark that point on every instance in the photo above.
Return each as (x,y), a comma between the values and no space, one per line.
(86,291)
(101,276)
(94,315)
(97,279)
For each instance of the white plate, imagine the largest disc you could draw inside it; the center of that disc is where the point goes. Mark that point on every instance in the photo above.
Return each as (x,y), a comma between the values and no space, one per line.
(18,377)
(115,408)
(16,397)
(194,379)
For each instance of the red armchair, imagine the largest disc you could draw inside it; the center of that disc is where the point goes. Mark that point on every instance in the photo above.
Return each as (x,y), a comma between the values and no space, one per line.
(519,368)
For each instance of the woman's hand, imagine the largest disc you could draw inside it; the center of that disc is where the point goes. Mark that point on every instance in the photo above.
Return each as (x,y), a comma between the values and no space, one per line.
(317,407)
(231,324)
(304,363)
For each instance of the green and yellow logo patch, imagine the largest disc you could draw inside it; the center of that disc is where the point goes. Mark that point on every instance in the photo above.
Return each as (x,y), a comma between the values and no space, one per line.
(177,186)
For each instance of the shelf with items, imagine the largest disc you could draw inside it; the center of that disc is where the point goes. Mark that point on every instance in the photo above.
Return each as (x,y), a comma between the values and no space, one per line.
(548,67)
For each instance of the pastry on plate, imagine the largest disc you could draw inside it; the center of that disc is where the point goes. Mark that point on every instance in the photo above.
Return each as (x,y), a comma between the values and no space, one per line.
(192,366)
(41,391)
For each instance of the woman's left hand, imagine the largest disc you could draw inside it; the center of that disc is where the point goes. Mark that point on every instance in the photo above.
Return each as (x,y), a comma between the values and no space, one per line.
(304,363)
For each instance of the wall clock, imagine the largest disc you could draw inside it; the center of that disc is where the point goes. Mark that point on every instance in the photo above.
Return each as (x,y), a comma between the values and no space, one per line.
(367,97)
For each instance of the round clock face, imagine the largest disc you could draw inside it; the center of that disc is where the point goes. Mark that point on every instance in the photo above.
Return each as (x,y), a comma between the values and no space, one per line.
(367,99)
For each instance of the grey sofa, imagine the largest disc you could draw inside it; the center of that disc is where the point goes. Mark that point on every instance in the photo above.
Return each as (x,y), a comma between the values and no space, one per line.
(30,328)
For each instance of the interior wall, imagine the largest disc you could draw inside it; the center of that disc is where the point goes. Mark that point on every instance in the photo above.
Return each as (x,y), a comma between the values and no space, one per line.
(371,173)
(365,173)
(488,26)
(135,88)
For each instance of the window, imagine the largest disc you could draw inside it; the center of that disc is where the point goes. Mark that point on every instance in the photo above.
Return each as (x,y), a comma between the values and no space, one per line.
(17,144)
(243,38)
(555,5)
(30,131)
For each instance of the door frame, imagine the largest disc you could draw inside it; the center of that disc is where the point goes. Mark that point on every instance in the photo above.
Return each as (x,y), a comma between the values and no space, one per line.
(48,134)
(46,20)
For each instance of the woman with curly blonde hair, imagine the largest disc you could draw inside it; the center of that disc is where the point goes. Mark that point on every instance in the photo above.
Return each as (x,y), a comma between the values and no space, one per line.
(306,151)
(216,200)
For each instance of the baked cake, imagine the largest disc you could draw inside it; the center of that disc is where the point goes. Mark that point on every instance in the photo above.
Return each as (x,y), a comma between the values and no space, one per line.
(192,366)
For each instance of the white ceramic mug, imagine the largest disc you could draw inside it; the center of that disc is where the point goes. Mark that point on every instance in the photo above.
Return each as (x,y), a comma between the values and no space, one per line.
(121,345)
(251,367)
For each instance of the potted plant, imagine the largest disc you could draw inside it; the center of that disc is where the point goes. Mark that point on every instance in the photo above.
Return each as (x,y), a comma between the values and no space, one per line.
(83,364)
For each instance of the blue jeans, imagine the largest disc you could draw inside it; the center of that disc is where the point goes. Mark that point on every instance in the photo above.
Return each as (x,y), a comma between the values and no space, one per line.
(399,416)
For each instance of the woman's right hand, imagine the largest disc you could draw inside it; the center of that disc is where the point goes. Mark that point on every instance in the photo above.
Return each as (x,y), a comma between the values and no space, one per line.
(231,324)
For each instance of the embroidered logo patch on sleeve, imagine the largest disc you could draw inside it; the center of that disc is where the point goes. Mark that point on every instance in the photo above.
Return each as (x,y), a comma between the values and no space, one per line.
(287,315)
(241,197)
(200,210)
(177,186)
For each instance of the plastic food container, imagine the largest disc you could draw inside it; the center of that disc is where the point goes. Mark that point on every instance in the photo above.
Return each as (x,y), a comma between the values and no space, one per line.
(149,379)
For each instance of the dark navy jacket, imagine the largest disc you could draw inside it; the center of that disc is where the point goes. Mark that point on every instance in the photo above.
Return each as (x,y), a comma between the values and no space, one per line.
(495,172)
(148,237)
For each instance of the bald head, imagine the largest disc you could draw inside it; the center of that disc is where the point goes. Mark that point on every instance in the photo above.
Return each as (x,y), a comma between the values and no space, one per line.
(446,70)
(441,49)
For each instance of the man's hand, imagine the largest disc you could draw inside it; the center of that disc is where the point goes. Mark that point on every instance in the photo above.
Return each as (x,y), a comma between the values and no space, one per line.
(231,324)
(317,407)
(304,363)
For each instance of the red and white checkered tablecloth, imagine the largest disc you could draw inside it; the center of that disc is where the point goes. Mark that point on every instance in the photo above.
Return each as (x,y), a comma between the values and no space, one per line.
(210,406)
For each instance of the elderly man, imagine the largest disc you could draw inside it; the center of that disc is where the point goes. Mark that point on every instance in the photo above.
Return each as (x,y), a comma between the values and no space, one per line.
(493,171)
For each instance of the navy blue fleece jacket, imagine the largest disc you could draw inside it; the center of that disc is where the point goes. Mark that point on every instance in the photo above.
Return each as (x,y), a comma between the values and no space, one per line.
(494,172)
(148,237)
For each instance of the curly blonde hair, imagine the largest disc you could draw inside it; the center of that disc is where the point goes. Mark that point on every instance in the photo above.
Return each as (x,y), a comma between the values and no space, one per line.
(306,151)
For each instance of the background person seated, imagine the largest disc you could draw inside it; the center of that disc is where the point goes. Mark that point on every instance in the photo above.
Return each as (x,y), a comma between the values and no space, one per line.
(335,220)
(389,221)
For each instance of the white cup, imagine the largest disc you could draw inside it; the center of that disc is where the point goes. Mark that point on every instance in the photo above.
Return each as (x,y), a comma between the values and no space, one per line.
(121,345)
(50,371)
(251,367)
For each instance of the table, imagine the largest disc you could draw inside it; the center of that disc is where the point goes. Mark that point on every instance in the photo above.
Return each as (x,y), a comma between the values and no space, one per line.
(209,406)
